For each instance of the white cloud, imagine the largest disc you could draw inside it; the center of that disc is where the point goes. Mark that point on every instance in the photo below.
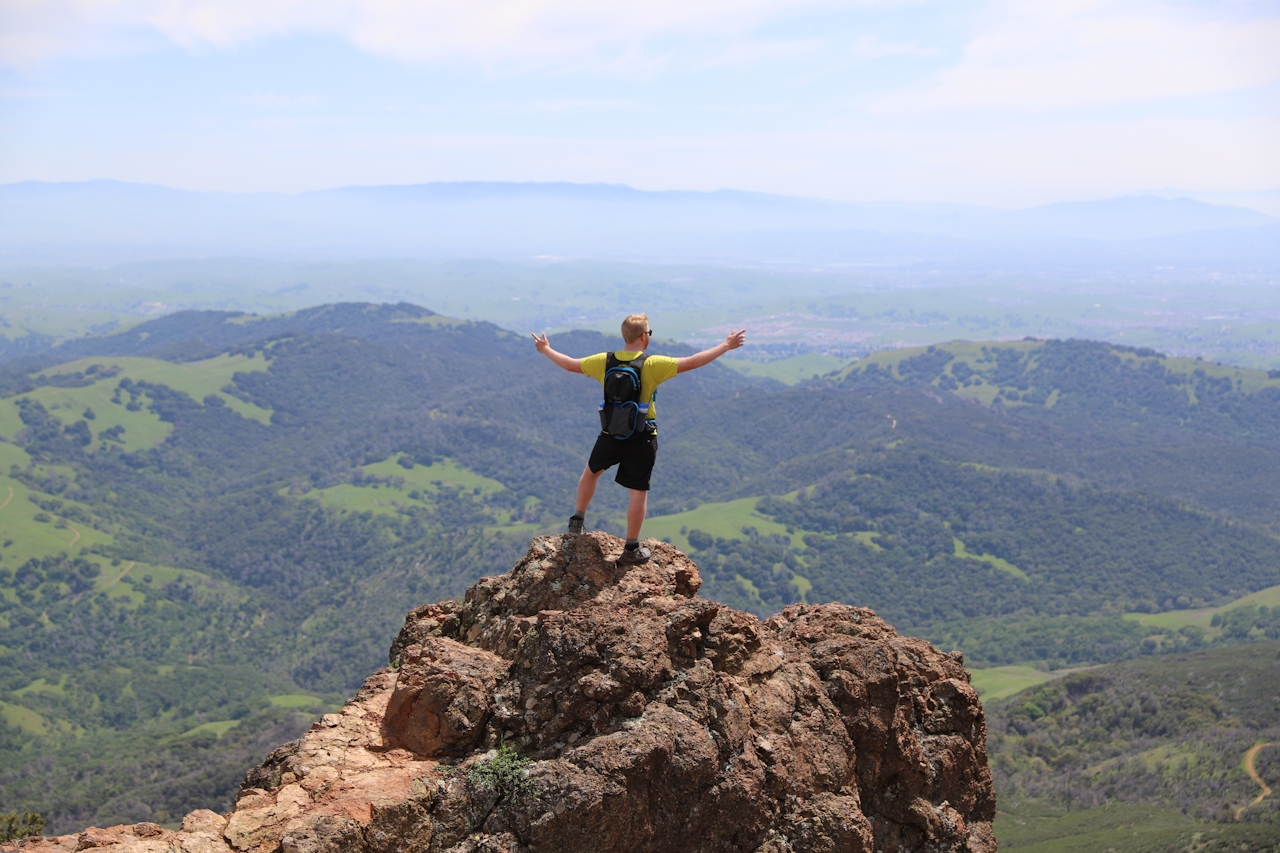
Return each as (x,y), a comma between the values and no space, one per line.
(1056,54)
(32,31)
(499,33)
(1007,122)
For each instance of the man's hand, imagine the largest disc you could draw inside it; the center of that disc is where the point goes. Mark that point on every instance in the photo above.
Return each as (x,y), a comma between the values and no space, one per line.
(735,339)
(573,365)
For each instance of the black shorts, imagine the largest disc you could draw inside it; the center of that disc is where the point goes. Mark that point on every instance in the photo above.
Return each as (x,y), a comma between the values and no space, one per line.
(634,457)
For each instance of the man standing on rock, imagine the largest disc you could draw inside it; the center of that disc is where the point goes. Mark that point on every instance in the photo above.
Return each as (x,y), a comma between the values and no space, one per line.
(629,426)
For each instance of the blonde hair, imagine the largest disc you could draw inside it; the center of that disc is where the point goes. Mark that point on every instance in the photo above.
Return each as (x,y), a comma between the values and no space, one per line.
(634,326)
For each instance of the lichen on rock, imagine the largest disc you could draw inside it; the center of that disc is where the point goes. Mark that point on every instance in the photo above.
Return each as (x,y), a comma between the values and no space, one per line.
(651,720)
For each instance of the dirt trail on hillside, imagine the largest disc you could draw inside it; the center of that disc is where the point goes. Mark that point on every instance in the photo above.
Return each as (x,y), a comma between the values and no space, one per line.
(6,500)
(127,566)
(1253,774)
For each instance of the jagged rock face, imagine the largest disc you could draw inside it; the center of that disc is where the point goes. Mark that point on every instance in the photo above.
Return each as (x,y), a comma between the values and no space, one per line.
(654,721)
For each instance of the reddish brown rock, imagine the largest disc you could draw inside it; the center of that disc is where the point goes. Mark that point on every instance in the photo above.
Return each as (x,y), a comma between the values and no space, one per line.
(443,697)
(653,721)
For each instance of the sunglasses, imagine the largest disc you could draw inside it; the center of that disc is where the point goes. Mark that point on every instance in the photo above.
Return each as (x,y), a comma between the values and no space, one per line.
(649,333)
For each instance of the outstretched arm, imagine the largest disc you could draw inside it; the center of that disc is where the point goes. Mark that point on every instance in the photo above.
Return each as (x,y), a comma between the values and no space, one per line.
(573,365)
(692,362)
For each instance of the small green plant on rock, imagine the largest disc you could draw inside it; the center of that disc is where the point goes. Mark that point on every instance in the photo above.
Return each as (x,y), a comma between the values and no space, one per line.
(505,774)
(14,826)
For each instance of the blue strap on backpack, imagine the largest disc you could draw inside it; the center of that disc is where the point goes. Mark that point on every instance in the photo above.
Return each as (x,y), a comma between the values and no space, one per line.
(622,413)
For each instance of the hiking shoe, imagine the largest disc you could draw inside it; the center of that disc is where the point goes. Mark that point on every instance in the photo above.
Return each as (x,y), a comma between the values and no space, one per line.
(575,524)
(635,557)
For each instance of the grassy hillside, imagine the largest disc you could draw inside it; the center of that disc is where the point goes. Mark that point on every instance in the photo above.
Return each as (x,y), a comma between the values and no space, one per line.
(261,499)
(1134,829)
(1151,754)
(789,371)
(1214,621)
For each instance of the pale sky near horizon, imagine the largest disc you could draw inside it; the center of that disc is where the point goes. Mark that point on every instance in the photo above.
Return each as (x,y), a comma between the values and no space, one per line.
(975,101)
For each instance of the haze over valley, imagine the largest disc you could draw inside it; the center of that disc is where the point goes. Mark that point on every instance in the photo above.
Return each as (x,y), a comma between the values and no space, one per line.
(812,278)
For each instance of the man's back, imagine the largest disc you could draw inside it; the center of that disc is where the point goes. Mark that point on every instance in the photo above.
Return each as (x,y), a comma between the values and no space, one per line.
(655,370)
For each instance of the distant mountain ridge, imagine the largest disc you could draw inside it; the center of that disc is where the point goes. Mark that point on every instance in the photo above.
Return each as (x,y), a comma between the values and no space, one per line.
(110,219)
(1265,201)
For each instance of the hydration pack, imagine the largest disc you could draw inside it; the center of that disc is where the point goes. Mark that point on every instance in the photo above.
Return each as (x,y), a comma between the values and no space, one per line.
(622,414)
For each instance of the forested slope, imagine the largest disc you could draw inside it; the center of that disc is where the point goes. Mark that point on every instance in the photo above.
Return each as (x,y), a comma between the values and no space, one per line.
(264,497)
(1143,755)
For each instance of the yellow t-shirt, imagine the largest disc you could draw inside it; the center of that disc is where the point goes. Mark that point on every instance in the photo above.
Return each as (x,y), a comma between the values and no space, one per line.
(656,370)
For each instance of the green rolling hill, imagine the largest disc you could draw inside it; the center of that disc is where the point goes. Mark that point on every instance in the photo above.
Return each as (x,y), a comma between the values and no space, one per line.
(212,523)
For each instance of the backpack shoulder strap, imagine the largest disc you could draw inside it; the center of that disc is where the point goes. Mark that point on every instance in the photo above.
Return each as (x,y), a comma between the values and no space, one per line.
(637,364)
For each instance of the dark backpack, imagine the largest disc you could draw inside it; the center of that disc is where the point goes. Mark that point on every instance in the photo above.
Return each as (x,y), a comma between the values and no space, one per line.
(622,413)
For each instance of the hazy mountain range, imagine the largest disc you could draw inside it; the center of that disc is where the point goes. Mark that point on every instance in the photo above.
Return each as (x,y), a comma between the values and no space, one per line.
(111,221)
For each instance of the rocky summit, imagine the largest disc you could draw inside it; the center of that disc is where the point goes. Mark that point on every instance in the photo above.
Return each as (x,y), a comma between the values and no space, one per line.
(572,705)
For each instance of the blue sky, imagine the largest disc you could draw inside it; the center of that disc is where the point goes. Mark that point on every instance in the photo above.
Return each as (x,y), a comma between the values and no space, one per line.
(997,103)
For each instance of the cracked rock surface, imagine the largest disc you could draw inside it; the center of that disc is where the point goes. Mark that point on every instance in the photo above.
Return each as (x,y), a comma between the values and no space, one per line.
(614,710)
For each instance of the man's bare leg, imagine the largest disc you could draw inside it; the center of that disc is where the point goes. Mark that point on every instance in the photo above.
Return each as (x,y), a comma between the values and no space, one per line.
(587,489)
(635,512)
